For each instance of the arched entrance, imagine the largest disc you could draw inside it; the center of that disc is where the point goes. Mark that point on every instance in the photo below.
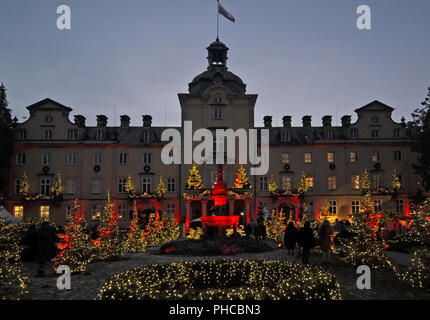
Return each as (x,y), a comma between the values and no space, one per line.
(289,210)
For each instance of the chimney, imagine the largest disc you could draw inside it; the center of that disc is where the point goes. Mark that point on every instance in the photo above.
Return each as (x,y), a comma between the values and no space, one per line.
(80,121)
(147,121)
(267,121)
(307,121)
(125,121)
(286,121)
(346,121)
(326,120)
(102,121)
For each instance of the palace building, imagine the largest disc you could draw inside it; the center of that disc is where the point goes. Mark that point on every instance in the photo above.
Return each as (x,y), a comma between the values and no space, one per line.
(93,159)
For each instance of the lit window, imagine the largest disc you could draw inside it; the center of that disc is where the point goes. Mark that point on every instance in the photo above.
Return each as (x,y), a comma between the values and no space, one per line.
(97,158)
(46,159)
(96,186)
(286,183)
(375,133)
(121,185)
(20,158)
(121,211)
(95,212)
(308,157)
(355,181)
(355,206)
(45,186)
(397,155)
(171,209)
(147,158)
(171,185)
(331,157)
(71,186)
(332,183)
(44,212)
(400,206)
(146,184)
(72,158)
(123,158)
(218,114)
(332,207)
(353,156)
(375,156)
(263,184)
(18,212)
(378,205)
(73,134)
(310,183)
(285,157)
(48,134)
(377,181)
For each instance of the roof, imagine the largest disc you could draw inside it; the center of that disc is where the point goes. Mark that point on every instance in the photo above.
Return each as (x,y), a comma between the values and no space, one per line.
(375,105)
(48,101)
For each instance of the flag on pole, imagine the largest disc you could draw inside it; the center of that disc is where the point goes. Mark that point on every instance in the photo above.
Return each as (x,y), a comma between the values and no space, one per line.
(225,13)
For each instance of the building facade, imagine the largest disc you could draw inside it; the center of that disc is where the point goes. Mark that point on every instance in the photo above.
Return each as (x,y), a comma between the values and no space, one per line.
(94,159)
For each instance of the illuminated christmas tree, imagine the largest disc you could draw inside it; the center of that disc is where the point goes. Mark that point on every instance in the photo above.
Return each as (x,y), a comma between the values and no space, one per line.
(365,183)
(129,186)
(325,210)
(275,225)
(159,231)
(13,278)
(194,180)
(303,186)
(109,244)
(241,180)
(135,241)
(395,182)
(75,245)
(272,185)
(57,188)
(24,184)
(161,188)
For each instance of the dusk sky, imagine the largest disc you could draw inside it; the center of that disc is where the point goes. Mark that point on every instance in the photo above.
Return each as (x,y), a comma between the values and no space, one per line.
(300,56)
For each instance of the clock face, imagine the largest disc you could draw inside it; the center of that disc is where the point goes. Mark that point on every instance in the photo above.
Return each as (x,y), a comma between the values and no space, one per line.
(217,80)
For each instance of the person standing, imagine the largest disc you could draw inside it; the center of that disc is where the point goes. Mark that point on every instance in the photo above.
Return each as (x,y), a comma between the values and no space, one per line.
(307,241)
(325,240)
(290,238)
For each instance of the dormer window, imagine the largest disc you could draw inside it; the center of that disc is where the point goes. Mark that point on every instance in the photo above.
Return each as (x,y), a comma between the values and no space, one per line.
(397,133)
(100,135)
(218,114)
(329,134)
(48,134)
(353,133)
(49,119)
(218,99)
(22,134)
(73,134)
(146,136)
(375,133)
(285,136)
(374,119)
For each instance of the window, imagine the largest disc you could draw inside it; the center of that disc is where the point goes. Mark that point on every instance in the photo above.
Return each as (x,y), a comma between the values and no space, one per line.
(47,134)
(308,157)
(375,156)
(44,212)
(121,210)
(147,158)
(377,181)
(378,205)
(353,156)
(146,184)
(332,207)
(18,212)
(46,159)
(400,177)
(399,206)
(217,99)
(72,158)
(123,158)
(73,134)
(375,133)
(374,119)
(355,182)
(397,155)
(218,114)
(285,157)
(310,183)
(97,158)
(17,186)
(397,133)
(263,184)
(331,157)
(329,134)
(20,158)
(146,136)
(286,183)
(285,136)
(49,119)
(100,135)
(71,186)
(45,186)
(22,134)
(171,209)
(355,206)
(171,184)
(96,186)
(353,133)
(95,212)
(121,185)
(310,211)
(332,183)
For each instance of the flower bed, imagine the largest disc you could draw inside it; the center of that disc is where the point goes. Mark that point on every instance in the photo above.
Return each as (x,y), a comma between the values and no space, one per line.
(223,279)
(216,246)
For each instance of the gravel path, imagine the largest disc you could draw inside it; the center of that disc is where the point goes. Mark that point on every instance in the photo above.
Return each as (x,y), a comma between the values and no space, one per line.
(87,286)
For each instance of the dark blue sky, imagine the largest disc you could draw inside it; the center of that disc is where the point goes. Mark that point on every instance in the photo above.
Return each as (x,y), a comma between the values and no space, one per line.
(300,56)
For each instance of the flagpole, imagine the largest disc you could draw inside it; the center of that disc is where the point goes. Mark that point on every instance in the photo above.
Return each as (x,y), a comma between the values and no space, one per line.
(217,20)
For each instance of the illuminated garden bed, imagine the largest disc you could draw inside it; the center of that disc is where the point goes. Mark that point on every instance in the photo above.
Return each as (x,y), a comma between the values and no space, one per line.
(223,279)
(216,246)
